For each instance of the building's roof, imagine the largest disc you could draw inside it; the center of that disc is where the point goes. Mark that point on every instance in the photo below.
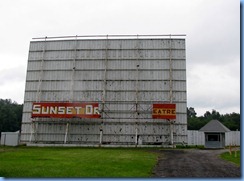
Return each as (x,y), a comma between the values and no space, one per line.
(214,126)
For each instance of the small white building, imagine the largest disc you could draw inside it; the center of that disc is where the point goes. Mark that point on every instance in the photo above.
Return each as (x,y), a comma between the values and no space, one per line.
(10,138)
(214,134)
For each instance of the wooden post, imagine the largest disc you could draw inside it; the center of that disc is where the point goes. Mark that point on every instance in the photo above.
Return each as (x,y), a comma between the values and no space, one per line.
(66,133)
(136,137)
(101,136)
(235,151)
(230,149)
(171,133)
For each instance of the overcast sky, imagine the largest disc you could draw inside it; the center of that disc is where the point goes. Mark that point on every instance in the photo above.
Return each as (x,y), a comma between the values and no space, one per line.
(212,42)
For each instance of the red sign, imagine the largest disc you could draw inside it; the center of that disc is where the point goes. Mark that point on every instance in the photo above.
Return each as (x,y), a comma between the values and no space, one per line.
(164,111)
(65,110)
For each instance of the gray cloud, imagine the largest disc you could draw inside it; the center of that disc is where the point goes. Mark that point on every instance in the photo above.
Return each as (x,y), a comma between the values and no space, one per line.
(12,75)
(212,41)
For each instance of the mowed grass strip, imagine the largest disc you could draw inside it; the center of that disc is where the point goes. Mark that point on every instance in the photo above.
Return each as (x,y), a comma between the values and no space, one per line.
(232,158)
(24,162)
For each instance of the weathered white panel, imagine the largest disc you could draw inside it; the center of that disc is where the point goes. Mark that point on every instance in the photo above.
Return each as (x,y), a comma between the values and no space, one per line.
(232,138)
(26,117)
(31,86)
(120,96)
(143,75)
(56,45)
(89,65)
(34,66)
(195,137)
(88,85)
(163,44)
(198,138)
(51,45)
(58,65)
(89,75)
(27,107)
(10,138)
(48,75)
(120,72)
(179,75)
(32,75)
(56,85)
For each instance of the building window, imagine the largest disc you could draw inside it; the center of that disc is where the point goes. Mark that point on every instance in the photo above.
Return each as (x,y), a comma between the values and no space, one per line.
(213,137)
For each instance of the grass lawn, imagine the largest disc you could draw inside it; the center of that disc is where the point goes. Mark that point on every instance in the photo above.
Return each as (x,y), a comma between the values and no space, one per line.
(75,162)
(232,158)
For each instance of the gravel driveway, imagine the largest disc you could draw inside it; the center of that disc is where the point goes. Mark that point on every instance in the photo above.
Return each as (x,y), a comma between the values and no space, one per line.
(194,163)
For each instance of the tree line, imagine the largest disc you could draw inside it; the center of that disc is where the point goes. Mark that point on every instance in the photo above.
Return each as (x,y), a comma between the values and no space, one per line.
(231,121)
(11,116)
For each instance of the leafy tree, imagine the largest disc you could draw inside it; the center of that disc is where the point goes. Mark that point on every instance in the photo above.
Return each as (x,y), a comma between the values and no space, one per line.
(231,121)
(215,115)
(191,112)
(207,114)
(10,115)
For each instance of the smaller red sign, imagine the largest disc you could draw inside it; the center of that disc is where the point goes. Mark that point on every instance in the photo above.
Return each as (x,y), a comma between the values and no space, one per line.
(65,110)
(164,111)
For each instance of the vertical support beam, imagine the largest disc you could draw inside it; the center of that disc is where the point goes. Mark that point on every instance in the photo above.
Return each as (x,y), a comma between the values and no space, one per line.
(137,90)
(171,123)
(170,73)
(32,131)
(73,72)
(136,140)
(101,137)
(104,94)
(36,131)
(137,77)
(39,92)
(171,133)
(66,133)
(38,95)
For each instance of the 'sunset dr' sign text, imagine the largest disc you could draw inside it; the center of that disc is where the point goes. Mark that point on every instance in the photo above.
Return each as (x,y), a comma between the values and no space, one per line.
(65,110)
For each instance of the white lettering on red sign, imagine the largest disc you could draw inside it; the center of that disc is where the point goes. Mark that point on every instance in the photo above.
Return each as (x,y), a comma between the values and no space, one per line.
(66,110)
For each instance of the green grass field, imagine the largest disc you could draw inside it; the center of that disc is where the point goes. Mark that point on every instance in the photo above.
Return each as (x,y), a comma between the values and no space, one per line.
(67,162)
(26,162)
(232,158)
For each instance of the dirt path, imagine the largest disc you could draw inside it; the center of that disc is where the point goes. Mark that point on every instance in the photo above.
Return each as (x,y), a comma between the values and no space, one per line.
(194,163)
